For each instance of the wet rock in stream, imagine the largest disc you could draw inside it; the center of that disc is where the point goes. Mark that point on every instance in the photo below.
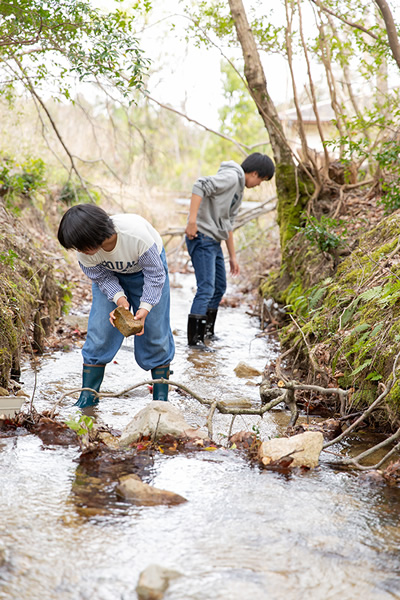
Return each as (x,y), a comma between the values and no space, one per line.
(156,420)
(303,450)
(134,490)
(93,491)
(242,369)
(154,582)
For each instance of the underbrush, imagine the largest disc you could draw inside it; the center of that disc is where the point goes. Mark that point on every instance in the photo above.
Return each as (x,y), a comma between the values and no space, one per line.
(343,323)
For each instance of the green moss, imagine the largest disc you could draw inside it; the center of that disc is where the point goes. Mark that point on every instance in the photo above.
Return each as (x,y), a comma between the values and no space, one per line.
(394,397)
(293,195)
(354,314)
(384,250)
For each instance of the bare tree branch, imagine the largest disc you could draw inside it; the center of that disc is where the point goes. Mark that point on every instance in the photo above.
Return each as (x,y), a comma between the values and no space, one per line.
(354,25)
(38,99)
(239,145)
(221,406)
(312,90)
(355,460)
(243,217)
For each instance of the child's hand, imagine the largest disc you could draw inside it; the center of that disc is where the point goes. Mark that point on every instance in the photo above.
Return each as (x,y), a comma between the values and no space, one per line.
(120,302)
(235,269)
(191,230)
(141,315)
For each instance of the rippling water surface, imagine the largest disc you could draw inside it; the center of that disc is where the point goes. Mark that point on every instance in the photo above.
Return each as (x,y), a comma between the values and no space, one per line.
(244,533)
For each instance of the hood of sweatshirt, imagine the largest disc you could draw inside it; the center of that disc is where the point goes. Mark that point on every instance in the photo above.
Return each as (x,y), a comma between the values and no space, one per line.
(231,164)
(222,196)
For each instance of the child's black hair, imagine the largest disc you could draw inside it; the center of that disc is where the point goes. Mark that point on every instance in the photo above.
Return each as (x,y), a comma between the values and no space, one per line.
(261,163)
(84,227)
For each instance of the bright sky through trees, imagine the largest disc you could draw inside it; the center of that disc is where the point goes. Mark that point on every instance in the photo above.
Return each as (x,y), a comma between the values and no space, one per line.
(185,76)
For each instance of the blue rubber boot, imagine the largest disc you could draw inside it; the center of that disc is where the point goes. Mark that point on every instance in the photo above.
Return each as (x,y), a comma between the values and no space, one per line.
(92,377)
(160,390)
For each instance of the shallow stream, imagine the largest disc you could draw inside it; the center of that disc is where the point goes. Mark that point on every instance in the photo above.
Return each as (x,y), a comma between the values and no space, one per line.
(245,533)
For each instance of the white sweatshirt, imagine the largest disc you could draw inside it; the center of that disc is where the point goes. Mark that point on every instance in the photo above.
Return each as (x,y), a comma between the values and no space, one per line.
(137,249)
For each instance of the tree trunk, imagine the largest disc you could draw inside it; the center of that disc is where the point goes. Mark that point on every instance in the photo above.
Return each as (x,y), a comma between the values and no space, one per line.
(290,182)
(391,29)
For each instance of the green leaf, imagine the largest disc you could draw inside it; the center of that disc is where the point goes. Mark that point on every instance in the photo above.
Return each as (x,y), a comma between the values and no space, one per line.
(374,376)
(376,329)
(81,425)
(360,368)
(361,327)
(73,425)
(372,294)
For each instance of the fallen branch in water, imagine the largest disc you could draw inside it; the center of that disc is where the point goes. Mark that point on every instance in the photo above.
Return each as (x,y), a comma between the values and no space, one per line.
(355,460)
(283,393)
(213,404)
(292,385)
(372,407)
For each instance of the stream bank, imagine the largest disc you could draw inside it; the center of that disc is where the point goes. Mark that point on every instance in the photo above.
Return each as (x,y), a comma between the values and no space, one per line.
(343,308)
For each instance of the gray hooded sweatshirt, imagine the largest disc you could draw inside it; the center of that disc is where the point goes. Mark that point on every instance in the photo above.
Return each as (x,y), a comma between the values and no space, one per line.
(222,196)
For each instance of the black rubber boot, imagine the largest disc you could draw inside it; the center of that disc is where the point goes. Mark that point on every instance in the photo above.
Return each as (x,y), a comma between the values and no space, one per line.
(92,377)
(196,330)
(211,316)
(160,390)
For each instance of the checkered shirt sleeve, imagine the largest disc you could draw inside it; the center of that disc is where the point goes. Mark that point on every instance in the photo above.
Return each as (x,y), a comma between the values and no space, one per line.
(153,272)
(154,275)
(105,279)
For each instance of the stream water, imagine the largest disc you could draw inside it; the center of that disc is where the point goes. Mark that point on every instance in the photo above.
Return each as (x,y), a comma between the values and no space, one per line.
(245,533)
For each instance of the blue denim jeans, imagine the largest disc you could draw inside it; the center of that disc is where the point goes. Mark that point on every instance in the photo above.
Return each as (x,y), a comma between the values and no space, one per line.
(152,349)
(209,269)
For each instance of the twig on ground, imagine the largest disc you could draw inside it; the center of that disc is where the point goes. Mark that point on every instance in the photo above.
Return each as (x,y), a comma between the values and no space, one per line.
(210,418)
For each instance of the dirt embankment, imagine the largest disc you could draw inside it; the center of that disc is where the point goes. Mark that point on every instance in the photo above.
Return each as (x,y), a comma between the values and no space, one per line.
(35,282)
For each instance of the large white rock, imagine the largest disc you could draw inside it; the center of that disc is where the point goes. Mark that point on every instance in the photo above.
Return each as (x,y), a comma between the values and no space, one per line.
(304,448)
(156,420)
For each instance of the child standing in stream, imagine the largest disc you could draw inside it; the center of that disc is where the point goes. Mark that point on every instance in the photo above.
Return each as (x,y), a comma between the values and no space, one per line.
(124,257)
(214,206)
